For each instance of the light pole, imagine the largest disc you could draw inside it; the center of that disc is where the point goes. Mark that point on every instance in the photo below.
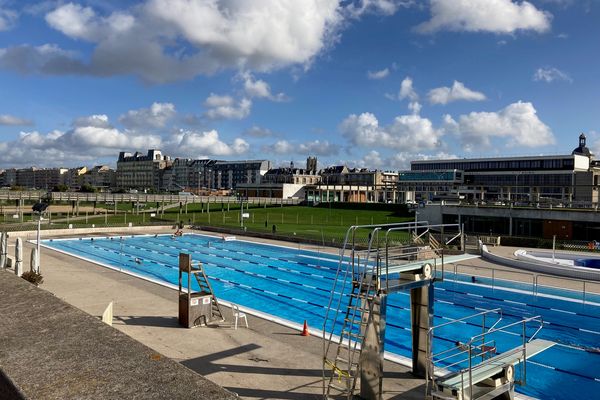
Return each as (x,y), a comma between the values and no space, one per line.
(39,209)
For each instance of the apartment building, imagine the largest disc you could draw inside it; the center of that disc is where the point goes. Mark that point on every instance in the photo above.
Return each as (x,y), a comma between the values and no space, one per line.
(141,171)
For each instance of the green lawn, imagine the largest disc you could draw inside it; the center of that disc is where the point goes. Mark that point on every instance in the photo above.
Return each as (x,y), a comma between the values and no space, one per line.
(322,224)
(325,225)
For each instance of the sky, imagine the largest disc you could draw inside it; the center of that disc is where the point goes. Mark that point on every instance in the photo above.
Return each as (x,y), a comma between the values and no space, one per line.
(366,83)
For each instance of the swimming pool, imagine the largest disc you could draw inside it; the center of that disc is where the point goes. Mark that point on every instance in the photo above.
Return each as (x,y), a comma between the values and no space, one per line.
(294,285)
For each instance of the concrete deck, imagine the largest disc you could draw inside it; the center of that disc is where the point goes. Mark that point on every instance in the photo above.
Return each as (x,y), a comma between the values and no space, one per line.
(267,361)
(51,350)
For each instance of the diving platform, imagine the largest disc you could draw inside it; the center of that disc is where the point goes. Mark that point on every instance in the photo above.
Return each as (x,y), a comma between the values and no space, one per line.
(394,257)
(483,374)
(494,366)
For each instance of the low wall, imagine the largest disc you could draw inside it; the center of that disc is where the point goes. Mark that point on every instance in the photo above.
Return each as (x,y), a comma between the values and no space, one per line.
(52,350)
(539,267)
(87,231)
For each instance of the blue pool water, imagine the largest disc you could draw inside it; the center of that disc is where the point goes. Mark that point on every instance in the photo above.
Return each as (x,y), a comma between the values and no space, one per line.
(295,285)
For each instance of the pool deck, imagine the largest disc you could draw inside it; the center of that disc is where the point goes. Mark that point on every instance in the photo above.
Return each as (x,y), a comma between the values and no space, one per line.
(267,361)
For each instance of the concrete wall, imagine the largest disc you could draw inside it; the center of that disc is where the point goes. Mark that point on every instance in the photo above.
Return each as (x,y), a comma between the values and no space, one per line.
(51,350)
(539,267)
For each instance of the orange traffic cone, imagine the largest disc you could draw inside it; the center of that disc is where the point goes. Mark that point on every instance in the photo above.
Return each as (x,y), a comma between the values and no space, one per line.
(305,330)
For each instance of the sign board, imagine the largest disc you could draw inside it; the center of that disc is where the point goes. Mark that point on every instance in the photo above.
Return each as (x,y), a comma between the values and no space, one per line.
(206,300)
(15,216)
(194,301)
(245,215)
(153,214)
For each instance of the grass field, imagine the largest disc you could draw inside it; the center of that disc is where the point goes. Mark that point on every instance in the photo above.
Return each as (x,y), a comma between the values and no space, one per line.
(326,225)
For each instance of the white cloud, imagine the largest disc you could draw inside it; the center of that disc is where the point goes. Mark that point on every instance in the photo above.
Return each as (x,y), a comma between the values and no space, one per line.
(279,147)
(80,22)
(414,107)
(458,91)
(407,90)
(551,74)
(386,7)
(316,147)
(258,132)
(225,107)
(260,89)
(97,121)
(406,132)
(157,116)
(90,138)
(371,160)
(517,123)
(168,40)
(378,74)
(11,120)
(204,144)
(7,19)
(496,16)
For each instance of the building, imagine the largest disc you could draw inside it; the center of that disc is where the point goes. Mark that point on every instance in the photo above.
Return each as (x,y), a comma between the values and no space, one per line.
(73,178)
(139,171)
(283,183)
(101,177)
(571,178)
(231,174)
(538,196)
(40,178)
(8,177)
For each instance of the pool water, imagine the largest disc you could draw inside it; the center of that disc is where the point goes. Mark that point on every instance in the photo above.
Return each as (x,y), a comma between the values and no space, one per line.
(295,285)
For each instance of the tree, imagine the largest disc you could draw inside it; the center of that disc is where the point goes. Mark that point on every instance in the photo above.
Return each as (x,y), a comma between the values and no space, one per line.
(87,188)
(60,188)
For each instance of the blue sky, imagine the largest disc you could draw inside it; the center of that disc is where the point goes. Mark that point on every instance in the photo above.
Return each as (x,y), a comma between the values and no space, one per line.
(373,83)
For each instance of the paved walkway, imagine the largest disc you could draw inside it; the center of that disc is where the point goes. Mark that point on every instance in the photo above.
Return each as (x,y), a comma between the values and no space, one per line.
(267,361)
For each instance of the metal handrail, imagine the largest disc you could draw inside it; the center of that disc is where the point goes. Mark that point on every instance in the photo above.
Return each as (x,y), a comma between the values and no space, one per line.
(430,374)
(523,321)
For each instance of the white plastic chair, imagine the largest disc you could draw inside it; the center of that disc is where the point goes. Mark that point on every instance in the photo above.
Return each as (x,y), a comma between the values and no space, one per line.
(237,314)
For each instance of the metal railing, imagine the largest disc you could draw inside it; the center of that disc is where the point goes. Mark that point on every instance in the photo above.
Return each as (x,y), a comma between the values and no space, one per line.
(479,346)
(528,279)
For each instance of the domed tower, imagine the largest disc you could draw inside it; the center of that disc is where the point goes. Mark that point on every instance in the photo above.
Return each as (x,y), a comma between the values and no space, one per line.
(582,149)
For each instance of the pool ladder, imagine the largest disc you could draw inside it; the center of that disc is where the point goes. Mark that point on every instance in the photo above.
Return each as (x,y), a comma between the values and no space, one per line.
(344,365)
(205,287)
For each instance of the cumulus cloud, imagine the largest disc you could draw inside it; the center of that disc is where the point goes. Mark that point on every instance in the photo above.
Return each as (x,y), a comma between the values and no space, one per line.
(7,19)
(11,120)
(279,147)
(94,137)
(169,40)
(260,89)
(458,91)
(319,148)
(316,147)
(496,16)
(204,144)
(517,123)
(386,7)
(89,138)
(407,91)
(96,121)
(372,160)
(225,107)
(405,132)
(45,59)
(156,116)
(378,74)
(551,74)
(258,132)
